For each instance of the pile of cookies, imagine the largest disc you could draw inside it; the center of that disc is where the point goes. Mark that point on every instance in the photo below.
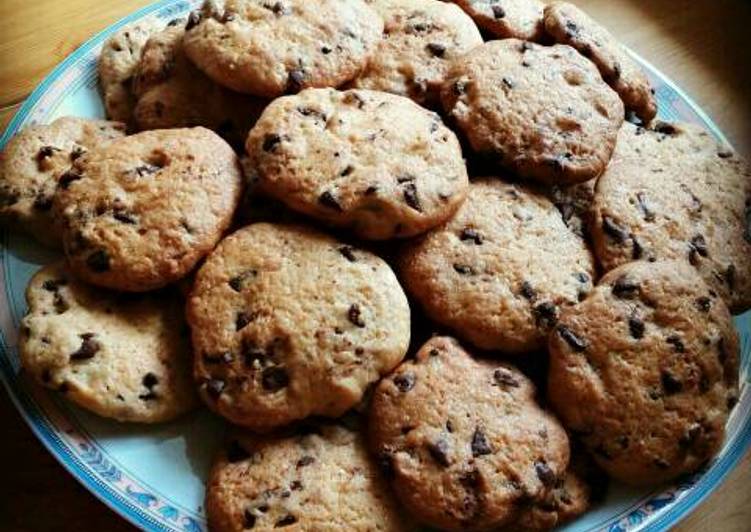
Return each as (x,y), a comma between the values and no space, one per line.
(414,251)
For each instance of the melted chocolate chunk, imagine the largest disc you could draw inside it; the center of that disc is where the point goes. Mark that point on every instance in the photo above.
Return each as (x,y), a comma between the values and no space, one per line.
(670,383)
(295,80)
(89,348)
(546,314)
(410,197)
(354,315)
(439,452)
(327,199)
(646,211)
(527,291)
(404,382)
(215,387)
(436,49)
(480,445)
(271,141)
(306,460)
(545,474)
(274,379)
(287,520)
(67,178)
(575,342)
(504,377)
(624,288)
(464,269)
(697,247)
(348,252)
(703,303)
(237,282)
(193,20)
(242,319)
(469,233)
(676,342)
(636,327)
(613,230)
(498,12)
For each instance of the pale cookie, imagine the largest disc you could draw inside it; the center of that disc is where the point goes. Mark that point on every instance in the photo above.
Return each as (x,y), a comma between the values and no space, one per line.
(542,112)
(139,213)
(463,440)
(645,371)
(117,64)
(421,38)
(31,163)
(500,272)
(122,356)
(270,48)
(521,19)
(568,24)
(376,163)
(288,322)
(673,192)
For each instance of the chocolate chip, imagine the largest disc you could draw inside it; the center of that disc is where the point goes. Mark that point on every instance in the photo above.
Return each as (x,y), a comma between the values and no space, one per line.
(697,247)
(252,353)
(150,380)
(89,348)
(439,451)
(60,304)
(327,199)
(98,261)
(508,83)
(670,384)
(325,50)
(624,288)
(354,315)
(505,377)
(410,196)
(274,379)
(236,283)
(722,354)
(546,314)
(404,382)
(347,171)
(730,276)
(124,217)
(215,387)
(575,342)
(348,252)
(545,474)
(175,22)
(527,291)
(676,342)
(613,230)
(664,128)
(221,358)
(249,519)
(242,319)
(236,452)
(459,87)
(498,11)
(703,303)
(647,213)
(295,80)
(582,277)
(480,445)
(464,269)
(438,50)
(306,460)
(287,520)
(193,20)
(636,327)
(271,141)
(44,153)
(371,190)
(295,485)
(67,178)
(52,285)
(469,233)
(691,436)
(386,462)
(637,251)
(146,170)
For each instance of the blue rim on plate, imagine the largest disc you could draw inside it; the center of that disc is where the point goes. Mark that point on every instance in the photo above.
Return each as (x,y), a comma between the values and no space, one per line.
(69,441)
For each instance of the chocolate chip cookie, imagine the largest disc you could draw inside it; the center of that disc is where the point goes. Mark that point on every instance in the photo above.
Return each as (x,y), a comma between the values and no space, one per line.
(653,355)
(463,440)
(122,356)
(31,164)
(568,24)
(501,271)
(421,38)
(543,112)
(521,19)
(269,48)
(288,322)
(673,192)
(140,212)
(376,163)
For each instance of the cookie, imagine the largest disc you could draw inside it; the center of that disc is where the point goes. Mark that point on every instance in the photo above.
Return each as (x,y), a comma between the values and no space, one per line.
(272,48)
(122,356)
(117,63)
(31,163)
(543,112)
(322,480)
(568,24)
(288,322)
(421,38)
(140,212)
(171,92)
(653,354)
(500,272)
(575,203)
(463,440)
(673,192)
(520,19)
(376,163)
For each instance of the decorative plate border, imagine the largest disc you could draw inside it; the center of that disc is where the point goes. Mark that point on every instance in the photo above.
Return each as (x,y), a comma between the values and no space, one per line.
(56,427)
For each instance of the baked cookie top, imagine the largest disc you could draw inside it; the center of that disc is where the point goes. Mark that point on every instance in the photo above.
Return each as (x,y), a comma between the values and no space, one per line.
(31,164)
(463,440)
(499,272)
(122,356)
(520,19)
(271,48)
(421,38)
(373,162)
(322,480)
(139,213)
(568,24)
(543,112)
(288,322)
(673,192)
(653,354)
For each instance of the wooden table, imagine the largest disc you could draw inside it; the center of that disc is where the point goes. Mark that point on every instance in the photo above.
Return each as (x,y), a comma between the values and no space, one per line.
(701,44)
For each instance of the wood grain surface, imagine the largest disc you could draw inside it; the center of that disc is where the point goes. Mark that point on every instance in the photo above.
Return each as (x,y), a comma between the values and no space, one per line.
(701,44)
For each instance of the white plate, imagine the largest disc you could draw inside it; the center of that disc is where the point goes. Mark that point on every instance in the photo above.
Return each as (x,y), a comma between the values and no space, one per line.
(154,476)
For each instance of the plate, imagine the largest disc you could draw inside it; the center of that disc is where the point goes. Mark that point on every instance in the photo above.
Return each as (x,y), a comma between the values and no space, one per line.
(154,476)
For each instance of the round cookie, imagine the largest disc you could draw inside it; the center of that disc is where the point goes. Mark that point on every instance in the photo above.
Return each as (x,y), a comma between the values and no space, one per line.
(421,38)
(520,19)
(373,162)
(672,192)
(501,270)
(463,440)
(568,24)
(543,112)
(31,163)
(139,213)
(272,48)
(288,322)
(122,356)
(172,92)
(117,64)
(322,480)
(653,354)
